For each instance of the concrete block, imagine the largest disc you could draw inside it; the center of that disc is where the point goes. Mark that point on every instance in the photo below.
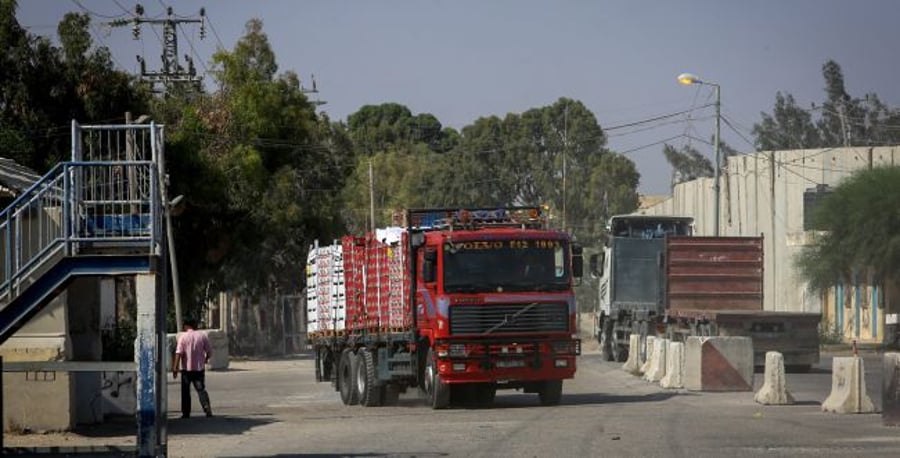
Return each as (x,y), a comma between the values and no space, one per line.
(890,394)
(718,364)
(38,401)
(648,353)
(634,363)
(774,390)
(674,377)
(657,368)
(218,340)
(848,387)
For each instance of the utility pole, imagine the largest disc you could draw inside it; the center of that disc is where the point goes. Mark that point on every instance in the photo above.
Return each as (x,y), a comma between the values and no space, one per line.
(172,72)
(716,186)
(371,197)
(565,154)
(312,91)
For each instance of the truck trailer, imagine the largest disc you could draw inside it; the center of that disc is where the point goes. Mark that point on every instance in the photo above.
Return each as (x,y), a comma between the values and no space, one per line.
(657,278)
(455,302)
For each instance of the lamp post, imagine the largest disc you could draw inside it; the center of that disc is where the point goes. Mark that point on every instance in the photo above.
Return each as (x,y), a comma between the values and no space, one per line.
(688,78)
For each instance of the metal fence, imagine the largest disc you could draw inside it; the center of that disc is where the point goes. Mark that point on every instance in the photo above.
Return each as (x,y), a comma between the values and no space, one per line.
(107,197)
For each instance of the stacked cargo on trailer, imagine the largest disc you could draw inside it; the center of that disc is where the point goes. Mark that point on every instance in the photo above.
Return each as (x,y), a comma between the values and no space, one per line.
(459,302)
(658,279)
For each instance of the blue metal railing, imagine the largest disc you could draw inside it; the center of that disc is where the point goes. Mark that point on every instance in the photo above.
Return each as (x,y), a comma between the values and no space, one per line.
(73,208)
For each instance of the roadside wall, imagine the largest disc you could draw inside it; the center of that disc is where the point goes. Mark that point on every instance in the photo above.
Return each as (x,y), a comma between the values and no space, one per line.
(762,193)
(39,401)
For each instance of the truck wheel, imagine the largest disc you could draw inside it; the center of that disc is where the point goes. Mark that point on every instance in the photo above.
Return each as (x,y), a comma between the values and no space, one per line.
(437,391)
(550,392)
(605,345)
(347,382)
(618,352)
(368,391)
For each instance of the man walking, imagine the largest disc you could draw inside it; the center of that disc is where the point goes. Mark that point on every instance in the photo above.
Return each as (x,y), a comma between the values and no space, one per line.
(191,355)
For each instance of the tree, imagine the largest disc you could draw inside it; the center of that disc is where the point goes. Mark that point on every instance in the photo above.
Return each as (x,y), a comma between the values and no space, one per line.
(260,171)
(44,87)
(789,127)
(859,220)
(687,164)
(842,120)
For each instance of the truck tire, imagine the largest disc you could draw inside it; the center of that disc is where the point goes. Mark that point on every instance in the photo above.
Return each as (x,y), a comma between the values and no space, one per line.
(605,343)
(347,382)
(437,391)
(367,388)
(550,392)
(618,352)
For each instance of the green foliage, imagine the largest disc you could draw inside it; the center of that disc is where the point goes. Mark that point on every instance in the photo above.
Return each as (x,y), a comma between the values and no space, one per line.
(841,120)
(515,160)
(43,87)
(829,334)
(687,164)
(859,221)
(260,172)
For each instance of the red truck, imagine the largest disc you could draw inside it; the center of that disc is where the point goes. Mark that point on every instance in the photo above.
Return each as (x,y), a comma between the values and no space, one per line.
(458,303)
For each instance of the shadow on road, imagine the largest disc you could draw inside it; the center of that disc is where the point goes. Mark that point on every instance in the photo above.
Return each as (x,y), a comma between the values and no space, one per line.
(223,424)
(373,455)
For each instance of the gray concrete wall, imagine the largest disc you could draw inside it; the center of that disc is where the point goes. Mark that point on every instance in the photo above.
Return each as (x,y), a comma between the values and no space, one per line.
(762,193)
(43,401)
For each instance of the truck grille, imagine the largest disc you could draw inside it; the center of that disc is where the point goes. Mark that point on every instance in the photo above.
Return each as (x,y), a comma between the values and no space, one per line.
(478,319)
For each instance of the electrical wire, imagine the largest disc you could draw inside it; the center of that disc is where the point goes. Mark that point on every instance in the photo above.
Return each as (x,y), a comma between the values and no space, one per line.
(94,13)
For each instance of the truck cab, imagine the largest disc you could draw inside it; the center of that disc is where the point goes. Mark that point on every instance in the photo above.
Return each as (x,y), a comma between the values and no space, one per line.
(631,278)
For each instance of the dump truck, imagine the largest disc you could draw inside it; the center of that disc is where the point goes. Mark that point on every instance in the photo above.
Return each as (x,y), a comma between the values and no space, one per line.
(657,278)
(457,303)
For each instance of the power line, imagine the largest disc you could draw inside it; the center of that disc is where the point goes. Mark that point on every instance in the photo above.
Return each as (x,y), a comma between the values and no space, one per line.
(94,13)
(656,118)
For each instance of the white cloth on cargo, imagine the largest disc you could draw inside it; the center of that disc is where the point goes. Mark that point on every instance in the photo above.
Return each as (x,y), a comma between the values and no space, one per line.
(389,235)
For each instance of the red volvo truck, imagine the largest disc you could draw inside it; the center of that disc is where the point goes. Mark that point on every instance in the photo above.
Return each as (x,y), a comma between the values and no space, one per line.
(458,303)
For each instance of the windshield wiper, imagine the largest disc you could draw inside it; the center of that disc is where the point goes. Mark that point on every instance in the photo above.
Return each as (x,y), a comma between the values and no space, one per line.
(510,318)
(470,288)
(539,286)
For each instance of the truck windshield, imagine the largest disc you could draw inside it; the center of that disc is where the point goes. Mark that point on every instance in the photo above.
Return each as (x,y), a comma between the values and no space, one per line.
(506,265)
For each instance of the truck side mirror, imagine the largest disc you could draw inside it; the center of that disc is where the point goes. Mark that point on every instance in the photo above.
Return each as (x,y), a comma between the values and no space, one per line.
(428,266)
(577,261)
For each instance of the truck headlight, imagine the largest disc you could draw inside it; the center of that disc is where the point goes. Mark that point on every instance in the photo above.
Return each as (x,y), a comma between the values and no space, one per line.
(458,350)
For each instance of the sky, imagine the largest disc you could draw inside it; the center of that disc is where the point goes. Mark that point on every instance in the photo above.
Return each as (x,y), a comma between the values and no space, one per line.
(464,59)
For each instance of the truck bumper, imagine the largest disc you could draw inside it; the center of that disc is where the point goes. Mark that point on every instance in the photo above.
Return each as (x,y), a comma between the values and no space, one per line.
(475,371)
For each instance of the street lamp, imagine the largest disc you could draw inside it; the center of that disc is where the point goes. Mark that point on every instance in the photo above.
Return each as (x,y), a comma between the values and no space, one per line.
(689,78)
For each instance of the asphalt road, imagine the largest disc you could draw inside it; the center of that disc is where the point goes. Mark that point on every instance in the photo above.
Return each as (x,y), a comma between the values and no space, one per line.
(274,408)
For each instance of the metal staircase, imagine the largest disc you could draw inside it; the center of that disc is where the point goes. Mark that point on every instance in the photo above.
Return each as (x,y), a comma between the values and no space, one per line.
(98,214)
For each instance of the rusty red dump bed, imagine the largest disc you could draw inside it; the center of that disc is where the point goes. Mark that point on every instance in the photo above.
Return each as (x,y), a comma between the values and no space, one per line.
(705,275)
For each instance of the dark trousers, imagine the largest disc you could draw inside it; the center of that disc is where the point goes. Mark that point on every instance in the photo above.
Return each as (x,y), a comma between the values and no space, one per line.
(198,379)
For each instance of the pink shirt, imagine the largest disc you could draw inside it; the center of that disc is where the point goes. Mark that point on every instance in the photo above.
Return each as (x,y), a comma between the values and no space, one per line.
(193,347)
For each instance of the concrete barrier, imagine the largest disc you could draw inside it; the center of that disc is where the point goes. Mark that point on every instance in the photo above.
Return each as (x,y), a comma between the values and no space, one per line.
(774,390)
(217,339)
(634,363)
(848,387)
(718,364)
(657,361)
(674,377)
(890,394)
(648,353)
